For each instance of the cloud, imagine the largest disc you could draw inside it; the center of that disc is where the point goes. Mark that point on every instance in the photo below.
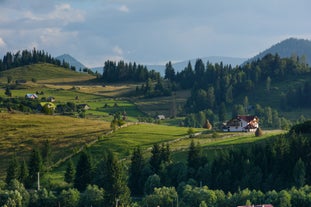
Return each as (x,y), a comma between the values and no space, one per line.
(117,50)
(123,8)
(2,43)
(66,13)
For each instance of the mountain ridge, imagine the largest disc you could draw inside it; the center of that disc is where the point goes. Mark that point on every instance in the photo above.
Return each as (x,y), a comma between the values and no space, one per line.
(287,48)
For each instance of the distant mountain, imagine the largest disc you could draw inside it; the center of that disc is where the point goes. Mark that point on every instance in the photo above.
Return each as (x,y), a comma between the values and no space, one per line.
(72,61)
(287,48)
(179,66)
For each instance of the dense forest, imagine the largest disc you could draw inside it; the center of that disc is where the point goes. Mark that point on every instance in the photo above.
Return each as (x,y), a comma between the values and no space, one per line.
(272,171)
(216,88)
(26,57)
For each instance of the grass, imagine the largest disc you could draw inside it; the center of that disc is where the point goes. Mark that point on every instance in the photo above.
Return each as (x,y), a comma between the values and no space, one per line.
(21,132)
(44,73)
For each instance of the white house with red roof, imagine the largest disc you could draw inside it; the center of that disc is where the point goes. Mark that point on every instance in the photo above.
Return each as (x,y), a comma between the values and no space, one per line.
(242,123)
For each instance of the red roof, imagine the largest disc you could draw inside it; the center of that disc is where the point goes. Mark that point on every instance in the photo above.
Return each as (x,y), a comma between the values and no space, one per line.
(246,118)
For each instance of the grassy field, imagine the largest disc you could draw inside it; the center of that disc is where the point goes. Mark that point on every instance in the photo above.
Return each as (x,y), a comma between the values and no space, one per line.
(44,73)
(21,132)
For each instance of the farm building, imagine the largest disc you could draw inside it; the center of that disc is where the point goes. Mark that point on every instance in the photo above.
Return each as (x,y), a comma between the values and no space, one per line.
(31,96)
(242,123)
(83,106)
(160,117)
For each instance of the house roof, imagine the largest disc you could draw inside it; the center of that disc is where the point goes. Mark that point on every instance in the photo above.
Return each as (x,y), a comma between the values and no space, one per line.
(246,118)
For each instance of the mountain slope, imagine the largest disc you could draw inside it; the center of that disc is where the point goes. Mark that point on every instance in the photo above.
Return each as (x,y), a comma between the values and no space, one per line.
(287,48)
(72,61)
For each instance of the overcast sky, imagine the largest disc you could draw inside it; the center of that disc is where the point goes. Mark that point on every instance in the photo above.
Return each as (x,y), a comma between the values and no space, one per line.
(150,31)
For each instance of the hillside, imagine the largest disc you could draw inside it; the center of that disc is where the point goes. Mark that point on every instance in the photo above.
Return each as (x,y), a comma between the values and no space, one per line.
(287,48)
(43,73)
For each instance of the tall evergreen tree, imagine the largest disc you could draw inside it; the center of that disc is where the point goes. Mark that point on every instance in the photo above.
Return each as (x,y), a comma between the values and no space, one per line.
(34,166)
(194,160)
(24,173)
(155,159)
(115,184)
(70,172)
(46,154)
(135,172)
(84,172)
(13,170)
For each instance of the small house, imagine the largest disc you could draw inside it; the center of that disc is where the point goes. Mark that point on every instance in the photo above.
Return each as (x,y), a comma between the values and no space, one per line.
(160,117)
(242,123)
(31,96)
(83,107)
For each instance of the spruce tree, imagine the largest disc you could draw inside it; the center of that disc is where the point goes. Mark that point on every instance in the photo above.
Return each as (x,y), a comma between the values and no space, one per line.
(70,172)
(135,172)
(13,170)
(155,160)
(115,184)
(24,173)
(34,166)
(194,159)
(84,172)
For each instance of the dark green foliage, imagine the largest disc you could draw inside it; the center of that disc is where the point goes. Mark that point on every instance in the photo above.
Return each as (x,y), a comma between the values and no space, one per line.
(135,181)
(84,171)
(35,166)
(26,57)
(92,196)
(24,173)
(13,170)
(113,180)
(70,172)
(121,71)
(195,159)
(47,154)
(69,198)
(304,128)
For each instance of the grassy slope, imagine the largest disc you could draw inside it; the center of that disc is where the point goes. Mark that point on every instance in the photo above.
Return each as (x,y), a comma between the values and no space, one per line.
(21,132)
(44,72)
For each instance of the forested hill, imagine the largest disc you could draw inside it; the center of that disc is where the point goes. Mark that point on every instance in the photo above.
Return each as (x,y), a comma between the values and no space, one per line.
(287,48)
(27,57)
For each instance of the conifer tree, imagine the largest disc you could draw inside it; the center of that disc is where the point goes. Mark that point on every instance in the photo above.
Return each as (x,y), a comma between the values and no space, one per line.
(135,172)
(70,172)
(155,160)
(24,173)
(34,166)
(115,184)
(13,170)
(84,172)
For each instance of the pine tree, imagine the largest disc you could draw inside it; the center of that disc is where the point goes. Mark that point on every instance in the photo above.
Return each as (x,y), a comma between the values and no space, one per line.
(135,172)
(115,184)
(34,166)
(84,172)
(13,170)
(155,159)
(70,172)
(24,173)
(46,154)
(194,158)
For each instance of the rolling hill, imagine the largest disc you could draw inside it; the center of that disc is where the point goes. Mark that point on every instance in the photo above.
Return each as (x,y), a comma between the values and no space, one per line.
(287,48)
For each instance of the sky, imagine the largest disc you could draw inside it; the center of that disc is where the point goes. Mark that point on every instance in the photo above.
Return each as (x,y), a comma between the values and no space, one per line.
(150,31)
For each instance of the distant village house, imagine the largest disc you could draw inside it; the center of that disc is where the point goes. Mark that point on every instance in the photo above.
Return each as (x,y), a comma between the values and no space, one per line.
(160,117)
(31,96)
(242,123)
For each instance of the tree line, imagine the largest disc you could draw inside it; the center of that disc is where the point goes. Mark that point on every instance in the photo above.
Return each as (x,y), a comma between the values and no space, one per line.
(27,57)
